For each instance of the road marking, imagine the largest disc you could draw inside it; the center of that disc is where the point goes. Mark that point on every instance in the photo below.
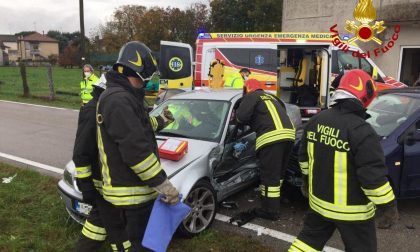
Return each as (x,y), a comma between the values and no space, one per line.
(36,105)
(270,232)
(32,163)
(220,217)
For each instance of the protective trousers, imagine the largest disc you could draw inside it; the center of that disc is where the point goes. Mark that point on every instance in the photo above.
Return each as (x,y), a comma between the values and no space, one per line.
(274,159)
(357,235)
(104,222)
(136,221)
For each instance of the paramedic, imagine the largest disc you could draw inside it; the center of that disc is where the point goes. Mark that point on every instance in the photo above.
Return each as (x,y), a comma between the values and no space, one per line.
(86,88)
(237,79)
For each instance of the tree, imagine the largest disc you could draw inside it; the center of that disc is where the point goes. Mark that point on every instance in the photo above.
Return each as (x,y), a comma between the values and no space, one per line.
(232,15)
(267,15)
(246,15)
(70,57)
(24,33)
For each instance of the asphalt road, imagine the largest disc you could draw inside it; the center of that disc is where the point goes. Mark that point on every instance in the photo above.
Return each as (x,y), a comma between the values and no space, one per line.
(46,135)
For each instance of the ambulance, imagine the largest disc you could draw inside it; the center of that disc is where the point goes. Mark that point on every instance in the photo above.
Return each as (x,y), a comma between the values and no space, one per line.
(298,66)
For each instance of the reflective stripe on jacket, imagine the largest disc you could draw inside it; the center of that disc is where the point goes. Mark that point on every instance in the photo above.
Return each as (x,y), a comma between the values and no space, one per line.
(267,117)
(342,156)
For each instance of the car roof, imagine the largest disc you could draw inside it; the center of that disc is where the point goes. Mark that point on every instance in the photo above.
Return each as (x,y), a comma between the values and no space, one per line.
(409,91)
(209,94)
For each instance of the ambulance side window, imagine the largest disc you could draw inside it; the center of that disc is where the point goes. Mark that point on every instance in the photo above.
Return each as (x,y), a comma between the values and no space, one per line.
(366,66)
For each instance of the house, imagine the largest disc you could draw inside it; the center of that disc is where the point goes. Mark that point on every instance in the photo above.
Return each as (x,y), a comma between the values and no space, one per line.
(9,50)
(37,47)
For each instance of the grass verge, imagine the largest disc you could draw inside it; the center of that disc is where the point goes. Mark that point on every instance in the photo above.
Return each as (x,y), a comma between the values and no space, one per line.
(66,86)
(33,218)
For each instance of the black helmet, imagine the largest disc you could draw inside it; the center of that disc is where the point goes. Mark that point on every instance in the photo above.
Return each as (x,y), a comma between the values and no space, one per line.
(137,57)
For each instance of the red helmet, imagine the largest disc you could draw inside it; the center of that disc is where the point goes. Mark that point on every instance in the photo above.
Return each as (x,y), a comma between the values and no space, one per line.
(251,85)
(358,83)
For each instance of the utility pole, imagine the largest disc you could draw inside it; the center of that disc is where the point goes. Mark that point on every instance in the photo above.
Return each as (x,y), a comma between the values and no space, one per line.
(82,32)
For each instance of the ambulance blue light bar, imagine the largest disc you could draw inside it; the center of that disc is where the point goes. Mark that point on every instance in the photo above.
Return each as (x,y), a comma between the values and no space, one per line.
(203,35)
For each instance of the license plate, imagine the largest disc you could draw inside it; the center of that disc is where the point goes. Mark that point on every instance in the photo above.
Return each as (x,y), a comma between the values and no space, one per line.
(82,208)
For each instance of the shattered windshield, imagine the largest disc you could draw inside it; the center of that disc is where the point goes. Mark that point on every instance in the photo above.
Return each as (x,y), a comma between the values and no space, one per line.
(197,119)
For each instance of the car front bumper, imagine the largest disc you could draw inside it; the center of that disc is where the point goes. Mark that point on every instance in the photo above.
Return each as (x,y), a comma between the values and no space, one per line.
(71,199)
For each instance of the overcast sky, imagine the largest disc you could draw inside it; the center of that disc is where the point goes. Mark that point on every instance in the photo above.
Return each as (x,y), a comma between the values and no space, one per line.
(63,15)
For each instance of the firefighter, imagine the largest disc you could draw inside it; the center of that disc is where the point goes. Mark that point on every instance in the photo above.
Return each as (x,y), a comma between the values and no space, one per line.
(103,216)
(86,85)
(237,79)
(131,172)
(267,116)
(88,179)
(344,172)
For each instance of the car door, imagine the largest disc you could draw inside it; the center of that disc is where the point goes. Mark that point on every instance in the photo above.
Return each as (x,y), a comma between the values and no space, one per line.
(233,160)
(410,180)
(176,65)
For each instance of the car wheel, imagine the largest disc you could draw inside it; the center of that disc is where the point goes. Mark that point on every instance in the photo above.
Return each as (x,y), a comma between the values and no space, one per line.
(202,200)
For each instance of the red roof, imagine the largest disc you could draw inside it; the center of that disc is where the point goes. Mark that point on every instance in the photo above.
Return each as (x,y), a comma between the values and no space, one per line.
(37,37)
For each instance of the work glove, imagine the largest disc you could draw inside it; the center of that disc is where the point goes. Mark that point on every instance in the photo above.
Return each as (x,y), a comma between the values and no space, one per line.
(304,188)
(238,149)
(169,192)
(167,116)
(91,196)
(387,215)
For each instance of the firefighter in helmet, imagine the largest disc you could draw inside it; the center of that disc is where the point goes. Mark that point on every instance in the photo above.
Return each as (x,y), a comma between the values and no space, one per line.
(131,172)
(344,172)
(266,114)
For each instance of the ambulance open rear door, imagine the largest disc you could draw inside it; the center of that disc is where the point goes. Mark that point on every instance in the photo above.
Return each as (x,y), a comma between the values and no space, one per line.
(176,65)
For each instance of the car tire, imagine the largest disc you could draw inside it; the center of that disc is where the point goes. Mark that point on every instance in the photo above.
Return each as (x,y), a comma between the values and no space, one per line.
(203,201)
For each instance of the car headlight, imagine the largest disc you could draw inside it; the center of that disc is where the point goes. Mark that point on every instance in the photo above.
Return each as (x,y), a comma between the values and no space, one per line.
(67,177)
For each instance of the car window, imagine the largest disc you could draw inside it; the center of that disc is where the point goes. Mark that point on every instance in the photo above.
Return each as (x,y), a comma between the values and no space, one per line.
(389,111)
(196,119)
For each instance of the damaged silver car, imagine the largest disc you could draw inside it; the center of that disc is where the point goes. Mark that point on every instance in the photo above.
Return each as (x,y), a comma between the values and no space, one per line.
(211,170)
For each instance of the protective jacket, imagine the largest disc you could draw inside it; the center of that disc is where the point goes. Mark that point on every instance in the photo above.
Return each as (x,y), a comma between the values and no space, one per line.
(127,145)
(86,88)
(85,153)
(268,118)
(344,160)
(235,81)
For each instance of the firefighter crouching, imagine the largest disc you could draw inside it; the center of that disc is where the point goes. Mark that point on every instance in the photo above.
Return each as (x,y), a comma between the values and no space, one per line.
(343,164)
(131,172)
(267,116)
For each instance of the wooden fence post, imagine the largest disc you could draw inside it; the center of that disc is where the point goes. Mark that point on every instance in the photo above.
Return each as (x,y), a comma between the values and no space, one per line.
(50,82)
(22,67)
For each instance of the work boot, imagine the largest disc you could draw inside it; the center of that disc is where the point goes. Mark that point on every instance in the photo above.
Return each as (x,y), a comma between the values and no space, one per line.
(267,214)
